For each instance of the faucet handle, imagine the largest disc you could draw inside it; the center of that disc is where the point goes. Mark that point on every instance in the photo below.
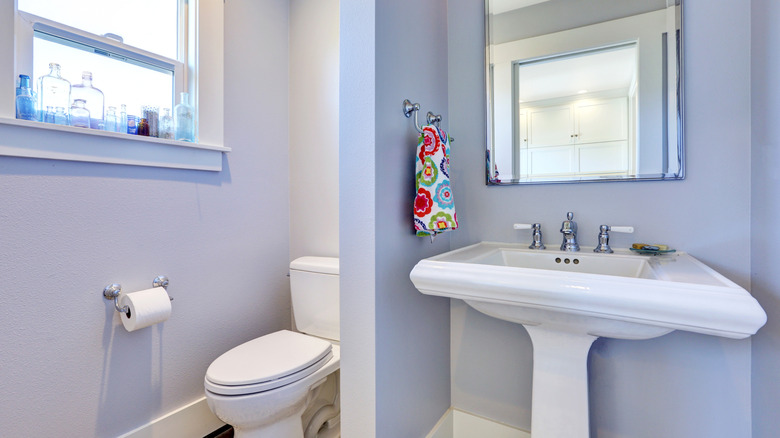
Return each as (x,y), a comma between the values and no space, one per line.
(604,230)
(536,243)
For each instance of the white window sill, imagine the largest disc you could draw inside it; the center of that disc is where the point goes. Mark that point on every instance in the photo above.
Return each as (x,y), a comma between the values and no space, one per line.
(24,138)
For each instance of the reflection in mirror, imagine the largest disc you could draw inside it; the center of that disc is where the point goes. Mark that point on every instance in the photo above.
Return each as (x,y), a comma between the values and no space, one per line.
(583,90)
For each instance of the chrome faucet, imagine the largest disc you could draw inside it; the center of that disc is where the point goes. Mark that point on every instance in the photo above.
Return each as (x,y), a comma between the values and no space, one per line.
(569,231)
(536,243)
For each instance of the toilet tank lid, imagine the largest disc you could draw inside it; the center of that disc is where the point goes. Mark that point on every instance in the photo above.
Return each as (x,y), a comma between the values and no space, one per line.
(322,265)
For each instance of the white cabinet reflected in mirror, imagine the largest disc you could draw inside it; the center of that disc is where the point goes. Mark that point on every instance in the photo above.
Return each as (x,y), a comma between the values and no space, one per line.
(583,90)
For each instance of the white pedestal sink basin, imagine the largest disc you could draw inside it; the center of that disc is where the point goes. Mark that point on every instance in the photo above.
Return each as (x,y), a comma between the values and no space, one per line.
(568,299)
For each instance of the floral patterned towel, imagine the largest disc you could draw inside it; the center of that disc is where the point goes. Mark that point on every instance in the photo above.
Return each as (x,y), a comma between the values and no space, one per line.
(434,208)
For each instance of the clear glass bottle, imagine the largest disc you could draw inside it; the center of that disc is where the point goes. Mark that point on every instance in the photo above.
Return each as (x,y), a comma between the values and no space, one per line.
(166,124)
(122,119)
(53,91)
(25,104)
(60,116)
(48,115)
(111,120)
(184,120)
(79,114)
(93,97)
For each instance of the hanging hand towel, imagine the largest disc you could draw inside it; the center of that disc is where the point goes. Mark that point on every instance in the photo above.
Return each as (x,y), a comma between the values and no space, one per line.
(434,208)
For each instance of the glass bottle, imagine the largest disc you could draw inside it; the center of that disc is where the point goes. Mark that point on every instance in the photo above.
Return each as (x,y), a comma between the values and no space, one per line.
(143,127)
(132,125)
(111,121)
(122,119)
(25,104)
(79,114)
(53,91)
(151,114)
(48,116)
(60,116)
(166,124)
(184,120)
(93,97)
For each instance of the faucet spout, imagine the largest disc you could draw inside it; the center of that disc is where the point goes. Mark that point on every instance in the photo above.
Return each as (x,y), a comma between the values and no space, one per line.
(569,231)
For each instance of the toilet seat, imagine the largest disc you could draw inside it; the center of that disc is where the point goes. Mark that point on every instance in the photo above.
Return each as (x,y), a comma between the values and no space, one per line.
(266,363)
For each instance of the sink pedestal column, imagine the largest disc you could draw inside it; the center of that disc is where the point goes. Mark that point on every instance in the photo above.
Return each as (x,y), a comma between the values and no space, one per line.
(559,405)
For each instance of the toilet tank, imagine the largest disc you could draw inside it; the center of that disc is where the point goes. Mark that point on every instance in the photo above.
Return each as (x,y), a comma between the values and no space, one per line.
(314,286)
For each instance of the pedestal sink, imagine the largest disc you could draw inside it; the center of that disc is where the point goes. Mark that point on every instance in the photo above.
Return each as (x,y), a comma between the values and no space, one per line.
(566,300)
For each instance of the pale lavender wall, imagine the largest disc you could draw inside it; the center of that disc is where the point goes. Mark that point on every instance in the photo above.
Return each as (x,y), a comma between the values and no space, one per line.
(314,128)
(390,50)
(680,385)
(765,209)
(68,229)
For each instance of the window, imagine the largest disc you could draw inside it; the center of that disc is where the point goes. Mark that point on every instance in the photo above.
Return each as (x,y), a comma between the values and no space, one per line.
(140,53)
(126,74)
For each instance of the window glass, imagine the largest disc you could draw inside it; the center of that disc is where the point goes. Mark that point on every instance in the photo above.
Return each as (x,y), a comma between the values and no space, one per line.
(122,80)
(150,25)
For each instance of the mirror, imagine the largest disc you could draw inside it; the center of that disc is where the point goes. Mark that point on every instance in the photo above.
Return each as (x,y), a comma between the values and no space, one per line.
(583,90)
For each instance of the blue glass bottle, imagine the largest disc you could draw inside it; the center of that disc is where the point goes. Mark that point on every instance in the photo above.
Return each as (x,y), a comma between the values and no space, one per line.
(25,103)
(61,116)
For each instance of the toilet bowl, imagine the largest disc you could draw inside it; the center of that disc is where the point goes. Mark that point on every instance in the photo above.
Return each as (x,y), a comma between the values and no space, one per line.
(271,386)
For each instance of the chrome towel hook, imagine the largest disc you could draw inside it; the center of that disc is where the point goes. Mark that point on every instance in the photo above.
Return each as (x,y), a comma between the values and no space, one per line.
(412,108)
(432,119)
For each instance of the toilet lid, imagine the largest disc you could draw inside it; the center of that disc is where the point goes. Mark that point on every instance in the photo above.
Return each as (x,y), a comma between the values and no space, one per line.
(267,362)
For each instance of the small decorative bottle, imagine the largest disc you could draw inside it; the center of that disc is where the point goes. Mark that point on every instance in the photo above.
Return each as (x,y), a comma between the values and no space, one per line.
(60,116)
(184,120)
(25,104)
(48,116)
(132,124)
(151,114)
(111,120)
(166,124)
(143,127)
(53,90)
(122,119)
(79,114)
(93,97)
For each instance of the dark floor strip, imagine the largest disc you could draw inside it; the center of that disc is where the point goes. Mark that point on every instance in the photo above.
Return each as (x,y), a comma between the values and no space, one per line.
(225,431)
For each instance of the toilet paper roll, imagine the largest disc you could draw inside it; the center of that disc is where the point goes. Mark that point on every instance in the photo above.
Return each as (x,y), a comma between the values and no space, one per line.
(146,307)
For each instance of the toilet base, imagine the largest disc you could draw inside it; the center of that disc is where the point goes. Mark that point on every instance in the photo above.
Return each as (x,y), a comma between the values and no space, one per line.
(289,427)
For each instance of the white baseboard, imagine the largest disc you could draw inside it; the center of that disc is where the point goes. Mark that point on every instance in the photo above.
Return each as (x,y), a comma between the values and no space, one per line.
(193,420)
(460,424)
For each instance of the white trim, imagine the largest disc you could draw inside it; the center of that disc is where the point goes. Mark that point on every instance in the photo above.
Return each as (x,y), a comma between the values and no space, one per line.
(461,424)
(192,420)
(40,140)
(23,138)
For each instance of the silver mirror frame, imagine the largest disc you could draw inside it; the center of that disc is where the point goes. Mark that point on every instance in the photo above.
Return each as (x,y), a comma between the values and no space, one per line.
(679,119)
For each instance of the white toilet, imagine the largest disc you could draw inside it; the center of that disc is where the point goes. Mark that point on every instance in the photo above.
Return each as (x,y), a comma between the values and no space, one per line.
(285,384)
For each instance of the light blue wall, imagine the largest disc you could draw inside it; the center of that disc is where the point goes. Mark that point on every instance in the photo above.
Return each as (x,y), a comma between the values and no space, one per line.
(765,209)
(394,339)
(68,229)
(680,385)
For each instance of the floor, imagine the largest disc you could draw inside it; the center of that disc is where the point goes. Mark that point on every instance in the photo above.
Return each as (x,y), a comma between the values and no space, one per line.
(223,432)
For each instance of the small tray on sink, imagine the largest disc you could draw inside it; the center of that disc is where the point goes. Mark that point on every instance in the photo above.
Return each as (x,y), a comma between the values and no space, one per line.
(653,251)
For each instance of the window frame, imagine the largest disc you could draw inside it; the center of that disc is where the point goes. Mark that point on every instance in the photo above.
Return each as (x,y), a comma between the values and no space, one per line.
(200,73)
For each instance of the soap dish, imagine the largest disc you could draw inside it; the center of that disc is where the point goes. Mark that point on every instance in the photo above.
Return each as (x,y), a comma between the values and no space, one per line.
(653,251)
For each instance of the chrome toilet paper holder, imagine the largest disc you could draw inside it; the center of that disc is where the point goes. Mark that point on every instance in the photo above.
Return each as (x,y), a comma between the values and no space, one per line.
(114,290)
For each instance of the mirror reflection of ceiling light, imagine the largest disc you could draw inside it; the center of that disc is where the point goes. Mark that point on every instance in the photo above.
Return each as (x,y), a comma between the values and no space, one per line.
(582,91)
